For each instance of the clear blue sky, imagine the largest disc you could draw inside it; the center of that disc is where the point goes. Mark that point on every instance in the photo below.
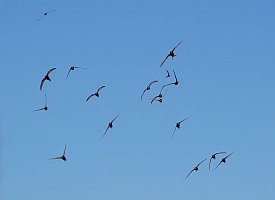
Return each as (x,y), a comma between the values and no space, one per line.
(225,66)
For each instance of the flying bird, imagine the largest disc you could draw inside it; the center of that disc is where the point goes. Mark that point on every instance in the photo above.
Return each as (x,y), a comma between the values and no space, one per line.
(171,53)
(96,93)
(178,126)
(213,157)
(223,160)
(72,68)
(46,78)
(110,125)
(45,107)
(45,14)
(168,74)
(63,157)
(196,168)
(148,88)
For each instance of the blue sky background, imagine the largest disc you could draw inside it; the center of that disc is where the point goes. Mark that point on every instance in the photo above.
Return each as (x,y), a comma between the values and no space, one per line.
(225,66)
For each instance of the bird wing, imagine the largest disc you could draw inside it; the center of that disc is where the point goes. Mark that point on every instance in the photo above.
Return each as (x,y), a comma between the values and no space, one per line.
(143,94)
(114,118)
(56,158)
(90,97)
(228,155)
(184,119)
(175,75)
(42,82)
(51,11)
(189,173)
(40,18)
(164,60)
(80,67)
(68,73)
(173,133)
(65,149)
(201,162)
(177,46)
(105,132)
(152,83)
(218,165)
(154,99)
(100,88)
(39,109)
(209,163)
(222,152)
(51,70)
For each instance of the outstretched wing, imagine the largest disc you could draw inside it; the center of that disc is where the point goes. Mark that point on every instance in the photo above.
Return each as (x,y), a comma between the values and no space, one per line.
(100,88)
(189,173)
(65,149)
(154,99)
(173,133)
(42,82)
(222,152)
(228,155)
(39,109)
(90,97)
(40,18)
(201,162)
(184,119)
(218,165)
(105,132)
(56,158)
(68,73)
(143,94)
(51,11)
(114,118)
(152,83)
(209,163)
(51,70)
(175,75)
(164,60)
(177,46)
(168,74)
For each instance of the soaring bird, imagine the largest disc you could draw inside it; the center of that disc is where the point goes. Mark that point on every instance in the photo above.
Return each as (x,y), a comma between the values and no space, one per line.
(223,160)
(196,168)
(45,107)
(178,126)
(96,93)
(46,78)
(171,53)
(63,157)
(72,68)
(45,14)
(148,88)
(110,125)
(213,157)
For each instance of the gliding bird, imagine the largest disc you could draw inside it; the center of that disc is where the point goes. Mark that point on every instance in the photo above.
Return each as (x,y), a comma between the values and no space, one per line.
(196,168)
(46,78)
(171,53)
(46,13)
(110,125)
(45,107)
(148,88)
(214,157)
(223,160)
(63,157)
(96,93)
(178,126)
(72,68)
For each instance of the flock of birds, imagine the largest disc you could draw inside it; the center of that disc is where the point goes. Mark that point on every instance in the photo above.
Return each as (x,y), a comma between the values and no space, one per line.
(158,98)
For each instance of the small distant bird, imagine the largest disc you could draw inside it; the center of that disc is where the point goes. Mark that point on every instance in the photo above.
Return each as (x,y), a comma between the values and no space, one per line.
(72,68)
(45,14)
(223,160)
(110,125)
(96,93)
(178,126)
(157,98)
(196,168)
(174,83)
(46,78)
(213,157)
(171,53)
(45,107)
(63,157)
(148,88)
(168,74)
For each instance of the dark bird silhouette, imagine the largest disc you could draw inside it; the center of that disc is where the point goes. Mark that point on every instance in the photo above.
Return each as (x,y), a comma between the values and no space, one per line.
(174,83)
(223,160)
(46,78)
(110,125)
(96,93)
(63,157)
(157,98)
(45,107)
(213,157)
(148,88)
(45,14)
(72,68)
(178,126)
(196,168)
(171,53)
(168,74)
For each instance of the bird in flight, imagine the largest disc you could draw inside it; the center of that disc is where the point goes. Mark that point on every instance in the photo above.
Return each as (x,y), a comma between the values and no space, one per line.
(178,126)
(223,160)
(110,125)
(72,68)
(63,157)
(45,107)
(148,88)
(213,157)
(46,78)
(174,83)
(96,93)
(45,14)
(171,53)
(168,74)
(196,168)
